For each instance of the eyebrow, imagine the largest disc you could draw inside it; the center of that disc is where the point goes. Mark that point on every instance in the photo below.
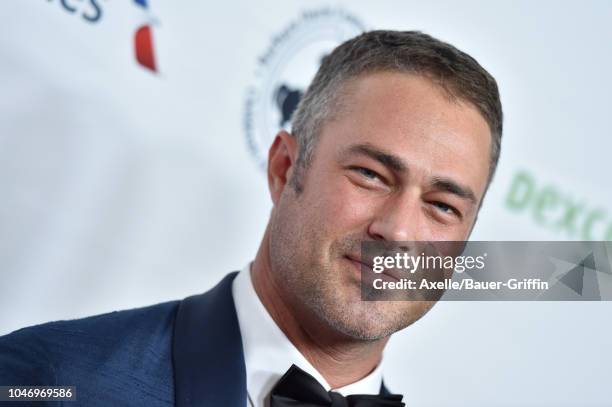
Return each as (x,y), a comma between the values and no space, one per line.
(448,185)
(385,158)
(397,164)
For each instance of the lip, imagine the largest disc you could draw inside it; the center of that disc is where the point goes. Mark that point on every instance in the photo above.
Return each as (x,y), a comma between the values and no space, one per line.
(356,259)
(390,274)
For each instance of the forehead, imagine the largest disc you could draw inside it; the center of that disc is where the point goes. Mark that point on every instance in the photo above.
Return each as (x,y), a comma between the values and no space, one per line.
(415,119)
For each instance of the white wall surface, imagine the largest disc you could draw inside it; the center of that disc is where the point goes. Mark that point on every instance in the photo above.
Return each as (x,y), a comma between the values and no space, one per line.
(121,187)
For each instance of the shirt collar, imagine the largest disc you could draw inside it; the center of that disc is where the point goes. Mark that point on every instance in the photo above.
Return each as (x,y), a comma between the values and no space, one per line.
(268,353)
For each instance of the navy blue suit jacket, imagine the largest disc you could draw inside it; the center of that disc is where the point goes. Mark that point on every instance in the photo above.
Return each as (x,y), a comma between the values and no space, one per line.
(183,353)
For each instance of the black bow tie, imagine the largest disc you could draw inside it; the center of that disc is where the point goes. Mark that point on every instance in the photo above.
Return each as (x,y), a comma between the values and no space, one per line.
(299,389)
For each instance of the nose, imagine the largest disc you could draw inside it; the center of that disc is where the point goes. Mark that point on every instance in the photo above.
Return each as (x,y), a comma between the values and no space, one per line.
(397,220)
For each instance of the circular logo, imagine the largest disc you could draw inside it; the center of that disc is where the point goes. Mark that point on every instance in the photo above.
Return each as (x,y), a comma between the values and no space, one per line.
(284,71)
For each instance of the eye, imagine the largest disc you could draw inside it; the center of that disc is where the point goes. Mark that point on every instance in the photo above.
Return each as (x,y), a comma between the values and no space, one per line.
(367,173)
(442,207)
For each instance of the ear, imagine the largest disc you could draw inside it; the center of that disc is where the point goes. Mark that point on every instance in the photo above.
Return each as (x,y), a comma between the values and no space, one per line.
(281,163)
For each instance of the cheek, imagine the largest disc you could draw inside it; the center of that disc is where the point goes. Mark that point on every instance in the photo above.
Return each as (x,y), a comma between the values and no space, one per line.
(455,233)
(346,206)
(432,230)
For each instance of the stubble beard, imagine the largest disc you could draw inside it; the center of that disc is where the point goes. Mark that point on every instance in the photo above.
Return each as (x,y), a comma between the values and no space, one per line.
(315,279)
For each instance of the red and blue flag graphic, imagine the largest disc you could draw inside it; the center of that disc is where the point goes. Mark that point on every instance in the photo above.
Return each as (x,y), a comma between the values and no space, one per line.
(143,42)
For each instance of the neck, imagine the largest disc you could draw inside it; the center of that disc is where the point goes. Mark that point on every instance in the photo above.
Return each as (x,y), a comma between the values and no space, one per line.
(340,359)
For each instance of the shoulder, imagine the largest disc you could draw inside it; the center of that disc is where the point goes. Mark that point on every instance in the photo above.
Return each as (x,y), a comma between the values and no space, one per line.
(111,352)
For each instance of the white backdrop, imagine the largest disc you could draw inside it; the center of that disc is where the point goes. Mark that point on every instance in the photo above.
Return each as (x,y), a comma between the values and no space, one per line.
(121,186)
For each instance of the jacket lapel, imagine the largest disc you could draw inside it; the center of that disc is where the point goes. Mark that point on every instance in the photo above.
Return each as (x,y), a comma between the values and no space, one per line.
(207,351)
(383,390)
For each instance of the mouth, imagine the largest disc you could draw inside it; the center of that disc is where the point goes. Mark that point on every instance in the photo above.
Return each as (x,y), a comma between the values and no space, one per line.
(367,267)
(358,263)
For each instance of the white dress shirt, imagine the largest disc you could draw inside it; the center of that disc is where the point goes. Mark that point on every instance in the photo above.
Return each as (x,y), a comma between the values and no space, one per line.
(268,353)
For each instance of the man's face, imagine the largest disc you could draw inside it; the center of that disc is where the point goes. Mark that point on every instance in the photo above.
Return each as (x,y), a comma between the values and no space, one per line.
(401,162)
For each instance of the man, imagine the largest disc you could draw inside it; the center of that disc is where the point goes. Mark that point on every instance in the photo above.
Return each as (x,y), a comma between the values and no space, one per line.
(396,139)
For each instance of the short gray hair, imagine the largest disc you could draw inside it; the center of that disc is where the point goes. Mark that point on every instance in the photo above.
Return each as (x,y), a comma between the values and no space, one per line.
(404,51)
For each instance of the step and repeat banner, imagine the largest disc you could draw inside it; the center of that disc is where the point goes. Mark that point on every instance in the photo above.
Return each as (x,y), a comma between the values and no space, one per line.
(133,142)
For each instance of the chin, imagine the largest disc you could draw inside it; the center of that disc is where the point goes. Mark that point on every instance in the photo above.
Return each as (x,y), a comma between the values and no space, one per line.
(380,319)
(360,320)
